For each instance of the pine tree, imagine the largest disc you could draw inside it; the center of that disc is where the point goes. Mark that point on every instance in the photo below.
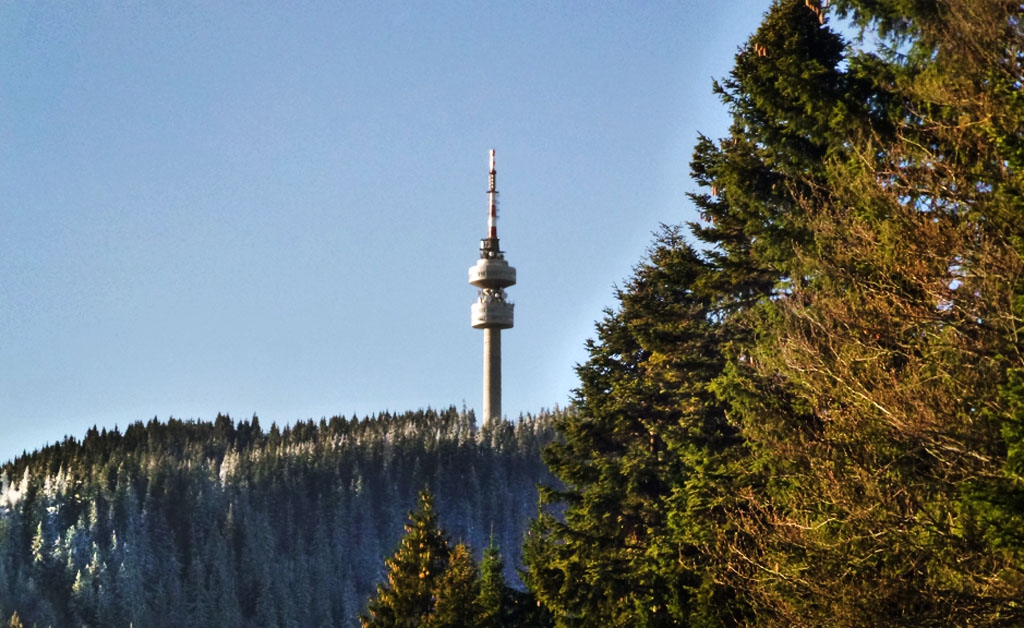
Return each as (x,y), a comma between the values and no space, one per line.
(644,460)
(789,99)
(868,389)
(858,310)
(493,600)
(456,592)
(412,572)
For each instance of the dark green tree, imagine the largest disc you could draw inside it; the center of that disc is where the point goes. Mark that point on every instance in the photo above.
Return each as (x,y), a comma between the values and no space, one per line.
(412,573)
(456,593)
(644,461)
(493,602)
(859,315)
(790,100)
(867,388)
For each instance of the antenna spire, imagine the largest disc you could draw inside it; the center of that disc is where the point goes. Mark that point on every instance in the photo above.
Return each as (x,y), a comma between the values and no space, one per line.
(492,195)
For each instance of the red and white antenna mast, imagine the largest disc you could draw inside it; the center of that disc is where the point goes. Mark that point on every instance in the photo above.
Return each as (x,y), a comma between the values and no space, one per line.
(492,197)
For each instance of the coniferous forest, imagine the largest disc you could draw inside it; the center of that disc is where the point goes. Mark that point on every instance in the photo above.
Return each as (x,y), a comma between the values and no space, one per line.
(805,409)
(227,524)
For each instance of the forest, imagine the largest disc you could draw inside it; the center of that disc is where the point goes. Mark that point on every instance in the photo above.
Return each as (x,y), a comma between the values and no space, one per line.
(181,523)
(806,407)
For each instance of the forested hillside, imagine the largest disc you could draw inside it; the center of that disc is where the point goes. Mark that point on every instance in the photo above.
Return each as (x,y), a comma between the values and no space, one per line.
(229,524)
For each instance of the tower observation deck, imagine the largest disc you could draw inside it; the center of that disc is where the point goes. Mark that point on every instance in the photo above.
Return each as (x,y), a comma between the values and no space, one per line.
(492,312)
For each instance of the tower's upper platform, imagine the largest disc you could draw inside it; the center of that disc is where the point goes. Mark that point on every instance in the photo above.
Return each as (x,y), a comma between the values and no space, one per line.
(492,272)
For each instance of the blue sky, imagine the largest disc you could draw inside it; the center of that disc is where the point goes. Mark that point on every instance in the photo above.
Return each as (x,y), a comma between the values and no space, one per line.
(270,207)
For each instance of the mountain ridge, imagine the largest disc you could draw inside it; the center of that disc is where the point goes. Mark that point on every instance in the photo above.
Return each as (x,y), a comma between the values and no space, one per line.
(225,523)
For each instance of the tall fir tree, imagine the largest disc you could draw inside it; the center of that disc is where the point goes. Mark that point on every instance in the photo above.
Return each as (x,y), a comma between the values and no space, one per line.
(412,572)
(859,293)
(456,593)
(868,389)
(493,601)
(644,461)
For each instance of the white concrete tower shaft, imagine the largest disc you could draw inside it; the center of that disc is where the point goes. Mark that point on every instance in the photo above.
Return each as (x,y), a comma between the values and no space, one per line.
(492,311)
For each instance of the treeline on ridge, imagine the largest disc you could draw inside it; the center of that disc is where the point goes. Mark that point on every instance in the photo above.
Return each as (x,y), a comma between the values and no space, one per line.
(220,524)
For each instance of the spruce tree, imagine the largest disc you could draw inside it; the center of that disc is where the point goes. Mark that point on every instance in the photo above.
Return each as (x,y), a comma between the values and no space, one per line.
(789,100)
(493,602)
(412,572)
(456,592)
(859,307)
(644,461)
(868,389)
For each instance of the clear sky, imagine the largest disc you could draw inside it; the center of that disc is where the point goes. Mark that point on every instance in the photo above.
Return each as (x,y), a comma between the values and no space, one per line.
(270,207)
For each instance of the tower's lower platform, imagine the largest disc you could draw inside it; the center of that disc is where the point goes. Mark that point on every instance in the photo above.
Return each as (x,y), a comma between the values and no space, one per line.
(491,315)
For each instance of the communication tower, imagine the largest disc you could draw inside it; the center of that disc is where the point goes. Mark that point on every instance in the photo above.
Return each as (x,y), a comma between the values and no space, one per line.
(492,312)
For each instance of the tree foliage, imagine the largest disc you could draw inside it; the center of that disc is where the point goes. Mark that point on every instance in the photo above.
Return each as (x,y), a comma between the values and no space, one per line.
(224,524)
(628,546)
(414,572)
(432,584)
(816,420)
